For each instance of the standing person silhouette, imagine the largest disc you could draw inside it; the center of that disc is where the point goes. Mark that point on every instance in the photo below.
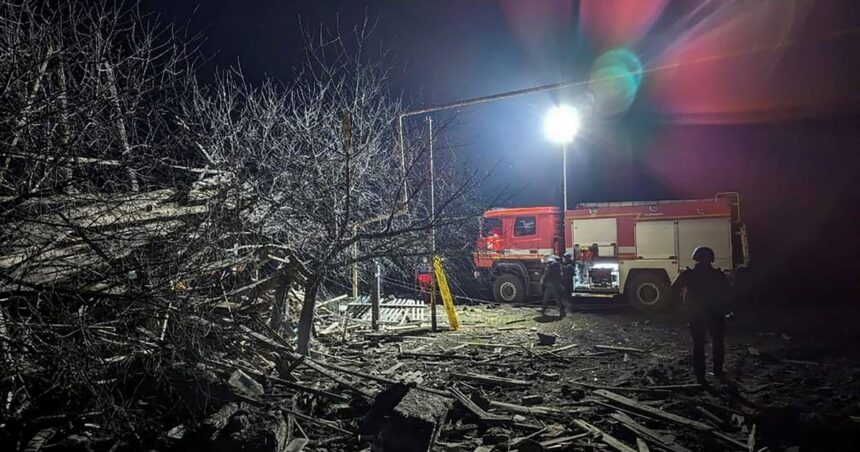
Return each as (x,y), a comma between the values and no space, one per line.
(705,292)
(552,285)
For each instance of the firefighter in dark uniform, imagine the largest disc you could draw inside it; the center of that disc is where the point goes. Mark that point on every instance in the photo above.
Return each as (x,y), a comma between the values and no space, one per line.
(705,302)
(552,285)
(567,271)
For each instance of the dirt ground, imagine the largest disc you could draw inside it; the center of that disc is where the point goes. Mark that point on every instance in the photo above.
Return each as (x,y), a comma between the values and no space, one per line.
(790,389)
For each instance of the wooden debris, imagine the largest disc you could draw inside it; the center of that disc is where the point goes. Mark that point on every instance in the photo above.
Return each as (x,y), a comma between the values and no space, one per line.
(320,368)
(556,351)
(39,440)
(375,377)
(517,441)
(530,410)
(331,300)
(663,441)
(562,440)
(751,440)
(801,362)
(245,384)
(490,345)
(321,422)
(492,379)
(662,388)
(434,356)
(412,424)
(642,445)
(617,398)
(482,415)
(532,400)
(510,328)
(393,368)
(546,339)
(219,419)
(296,445)
(739,444)
(619,348)
(610,440)
(711,416)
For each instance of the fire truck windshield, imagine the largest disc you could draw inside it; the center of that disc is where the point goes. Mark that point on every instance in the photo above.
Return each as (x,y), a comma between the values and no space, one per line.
(491,227)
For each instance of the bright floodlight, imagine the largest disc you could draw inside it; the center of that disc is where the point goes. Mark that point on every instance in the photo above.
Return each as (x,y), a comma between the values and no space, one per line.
(561,124)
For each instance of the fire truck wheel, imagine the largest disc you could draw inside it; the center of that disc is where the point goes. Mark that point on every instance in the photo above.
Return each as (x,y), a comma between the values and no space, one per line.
(508,288)
(649,292)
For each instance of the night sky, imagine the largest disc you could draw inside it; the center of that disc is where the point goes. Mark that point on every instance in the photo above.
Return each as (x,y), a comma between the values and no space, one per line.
(757,97)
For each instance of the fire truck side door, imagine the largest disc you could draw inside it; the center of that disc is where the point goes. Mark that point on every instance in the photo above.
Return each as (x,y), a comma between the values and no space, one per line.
(602,231)
(715,233)
(656,239)
(524,235)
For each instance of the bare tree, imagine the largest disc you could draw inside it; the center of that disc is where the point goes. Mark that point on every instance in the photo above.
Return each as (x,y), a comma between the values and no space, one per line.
(324,162)
(141,211)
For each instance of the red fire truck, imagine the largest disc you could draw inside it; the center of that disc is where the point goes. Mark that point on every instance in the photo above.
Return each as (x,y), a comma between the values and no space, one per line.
(619,248)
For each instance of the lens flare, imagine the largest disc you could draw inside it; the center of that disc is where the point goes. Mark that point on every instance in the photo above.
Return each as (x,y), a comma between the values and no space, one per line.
(614,80)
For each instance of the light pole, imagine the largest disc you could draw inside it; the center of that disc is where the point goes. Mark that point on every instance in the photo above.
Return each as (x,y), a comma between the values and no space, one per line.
(560,126)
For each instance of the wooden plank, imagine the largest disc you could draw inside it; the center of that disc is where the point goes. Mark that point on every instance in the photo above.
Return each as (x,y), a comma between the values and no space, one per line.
(487,344)
(434,356)
(663,388)
(559,350)
(665,442)
(296,445)
(631,403)
(483,416)
(530,410)
(616,348)
(315,365)
(562,440)
(492,379)
(610,440)
(739,444)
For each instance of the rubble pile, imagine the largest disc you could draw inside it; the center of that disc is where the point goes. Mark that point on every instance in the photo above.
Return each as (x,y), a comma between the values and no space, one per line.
(506,380)
(125,313)
(603,382)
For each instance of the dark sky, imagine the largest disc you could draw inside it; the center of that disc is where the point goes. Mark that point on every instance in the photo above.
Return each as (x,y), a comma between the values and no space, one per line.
(758,97)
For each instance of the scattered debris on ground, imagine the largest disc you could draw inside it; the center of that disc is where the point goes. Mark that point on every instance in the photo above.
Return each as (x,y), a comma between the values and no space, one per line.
(604,382)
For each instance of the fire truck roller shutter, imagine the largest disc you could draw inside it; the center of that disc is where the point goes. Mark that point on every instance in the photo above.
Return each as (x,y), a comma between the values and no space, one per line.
(600,231)
(656,239)
(715,233)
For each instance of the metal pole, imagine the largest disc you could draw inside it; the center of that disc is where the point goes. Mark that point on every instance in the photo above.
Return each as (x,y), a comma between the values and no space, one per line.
(375,295)
(564,175)
(432,230)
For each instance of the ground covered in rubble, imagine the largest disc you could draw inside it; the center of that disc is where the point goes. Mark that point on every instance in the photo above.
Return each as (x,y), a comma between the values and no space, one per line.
(610,379)
(509,378)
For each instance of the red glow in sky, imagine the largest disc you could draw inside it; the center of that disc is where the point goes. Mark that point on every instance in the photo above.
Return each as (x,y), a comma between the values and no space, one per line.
(759,61)
(616,23)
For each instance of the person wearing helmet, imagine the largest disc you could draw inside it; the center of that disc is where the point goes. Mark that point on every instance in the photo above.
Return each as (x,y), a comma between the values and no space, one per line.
(704,291)
(552,285)
(567,273)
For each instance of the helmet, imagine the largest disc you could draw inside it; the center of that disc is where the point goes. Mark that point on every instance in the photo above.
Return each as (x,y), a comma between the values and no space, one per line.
(703,254)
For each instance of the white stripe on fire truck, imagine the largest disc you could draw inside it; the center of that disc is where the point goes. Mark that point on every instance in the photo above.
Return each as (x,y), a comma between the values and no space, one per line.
(538,251)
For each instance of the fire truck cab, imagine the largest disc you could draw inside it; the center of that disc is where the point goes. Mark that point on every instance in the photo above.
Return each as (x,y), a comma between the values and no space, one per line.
(630,248)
